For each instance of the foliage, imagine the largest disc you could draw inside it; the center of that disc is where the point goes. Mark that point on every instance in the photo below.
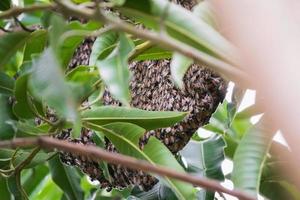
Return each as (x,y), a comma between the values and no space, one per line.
(40,95)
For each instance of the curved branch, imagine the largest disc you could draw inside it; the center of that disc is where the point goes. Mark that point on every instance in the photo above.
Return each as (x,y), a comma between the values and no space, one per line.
(15,11)
(229,71)
(97,154)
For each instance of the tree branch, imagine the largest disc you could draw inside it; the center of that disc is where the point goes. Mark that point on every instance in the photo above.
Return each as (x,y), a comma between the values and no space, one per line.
(15,11)
(97,154)
(229,71)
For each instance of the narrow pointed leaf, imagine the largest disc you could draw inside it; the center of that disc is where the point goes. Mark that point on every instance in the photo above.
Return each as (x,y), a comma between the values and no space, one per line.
(249,159)
(125,138)
(114,70)
(205,158)
(146,119)
(184,26)
(22,106)
(103,46)
(179,65)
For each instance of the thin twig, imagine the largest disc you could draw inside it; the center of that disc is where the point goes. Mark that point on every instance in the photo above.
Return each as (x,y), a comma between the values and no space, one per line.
(97,154)
(25,28)
(15,11)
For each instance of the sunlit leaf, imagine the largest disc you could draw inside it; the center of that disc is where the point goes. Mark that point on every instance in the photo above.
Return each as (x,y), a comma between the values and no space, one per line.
(146,119)
(205,158)
(251,152)
(114,70)
(179,65)
(35,44)
(9,44)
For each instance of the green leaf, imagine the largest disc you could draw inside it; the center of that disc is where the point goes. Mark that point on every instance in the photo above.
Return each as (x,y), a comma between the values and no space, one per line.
(183,26)
(6,84)
(6,130)
(5,5)
(65,38)
(66,178)
(125,137)
(114,70)
(10,43)
(6,154)
(5,194)
(27,129)
(249,159)
(47,190)
(22,106)
(35,44)
(146,119)
(15,187)
(103,46)
(48,85)
(179,65)
(32,178)
(206,157)
(81,80)
(154,53)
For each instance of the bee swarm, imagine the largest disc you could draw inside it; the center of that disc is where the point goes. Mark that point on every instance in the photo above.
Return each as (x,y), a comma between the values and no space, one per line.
(152,89)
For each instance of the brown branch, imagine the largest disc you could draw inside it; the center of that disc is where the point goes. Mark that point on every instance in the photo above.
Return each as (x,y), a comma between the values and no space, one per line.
(229,71)
(15,11)
(97,154)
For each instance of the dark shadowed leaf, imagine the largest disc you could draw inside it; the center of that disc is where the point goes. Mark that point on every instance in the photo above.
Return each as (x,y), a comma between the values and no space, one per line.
(9,44)
(5,194)
(22,106)
(125,138)
(146,119)
(15,187)
(6,84)
(114,70)
(6,130)
(66,178)
(5,4)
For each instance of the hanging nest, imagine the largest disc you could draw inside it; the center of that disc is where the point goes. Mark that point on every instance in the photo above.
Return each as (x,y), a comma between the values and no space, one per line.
(152,89)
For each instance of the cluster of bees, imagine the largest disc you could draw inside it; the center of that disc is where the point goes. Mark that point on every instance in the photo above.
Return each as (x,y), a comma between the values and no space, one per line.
(152,89)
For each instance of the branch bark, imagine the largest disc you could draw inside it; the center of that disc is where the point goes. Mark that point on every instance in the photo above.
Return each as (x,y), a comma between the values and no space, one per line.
(15,11)
(97,154)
